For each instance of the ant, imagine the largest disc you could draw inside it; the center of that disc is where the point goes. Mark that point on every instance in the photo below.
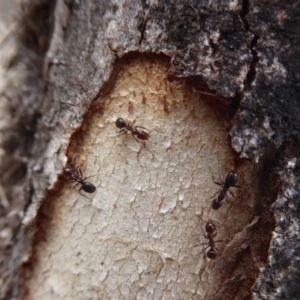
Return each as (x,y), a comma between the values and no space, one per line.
(198,81)
(230,181)
(85,186)
(211,231)
(136,131)
(180,74)
(176,75)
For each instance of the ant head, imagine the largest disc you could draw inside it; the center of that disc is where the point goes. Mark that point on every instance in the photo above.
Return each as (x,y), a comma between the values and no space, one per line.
(231,178)
(210,227)
(67,171)
(120,123)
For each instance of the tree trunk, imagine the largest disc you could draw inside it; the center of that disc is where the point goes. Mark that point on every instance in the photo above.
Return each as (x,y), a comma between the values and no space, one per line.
(216,87)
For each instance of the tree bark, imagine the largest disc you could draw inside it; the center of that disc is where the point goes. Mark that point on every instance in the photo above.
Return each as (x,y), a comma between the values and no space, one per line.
(216,86)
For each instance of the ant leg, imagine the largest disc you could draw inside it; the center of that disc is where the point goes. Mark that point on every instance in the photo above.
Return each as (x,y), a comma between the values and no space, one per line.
(226,216)
(221,214)
(73,159)
(217,250)
(211,198)
(206,248)
(232,194)
(237,186)
(83,194)
(204,233)
(218,183)
(205,93)
(138,140)
(134,120)
(216,247)
(203,244)
(201,218)
(219,241)
(209,209)
(76,185)
(89,177)
(122,131)
(214,195)
(79,173)
(136,128)
(179,82)
(143,143)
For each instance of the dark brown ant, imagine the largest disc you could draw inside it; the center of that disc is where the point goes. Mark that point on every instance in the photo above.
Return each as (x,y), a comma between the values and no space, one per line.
(137,132)
(85,186)
(197,80)
(211,231)
(176,75)
(230,181)
(180,74)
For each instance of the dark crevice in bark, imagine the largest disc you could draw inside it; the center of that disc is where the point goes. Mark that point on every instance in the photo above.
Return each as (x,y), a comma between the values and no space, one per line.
(29,196)
(250,78)
(251,75)
(142,26)
(248,250)
(213,46)
(113,50)
(235,103)
(279,277)
(244,12)
(266,183)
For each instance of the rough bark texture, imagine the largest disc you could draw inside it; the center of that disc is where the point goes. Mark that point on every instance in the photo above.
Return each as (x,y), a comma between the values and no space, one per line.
(81,64)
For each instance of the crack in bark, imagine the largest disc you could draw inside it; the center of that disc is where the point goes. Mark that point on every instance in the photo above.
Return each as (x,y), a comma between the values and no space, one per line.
(251,74)
(143,29)
(244,12)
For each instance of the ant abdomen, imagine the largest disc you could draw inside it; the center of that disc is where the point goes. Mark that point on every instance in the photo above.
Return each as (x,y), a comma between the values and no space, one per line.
(88,187)
(211,253)
(216,204)
(142,135)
